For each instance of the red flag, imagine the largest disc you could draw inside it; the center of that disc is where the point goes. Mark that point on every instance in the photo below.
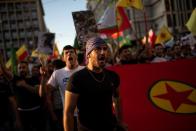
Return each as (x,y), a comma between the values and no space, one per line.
(122,19)
(159,97)
(151,38)
(117,34)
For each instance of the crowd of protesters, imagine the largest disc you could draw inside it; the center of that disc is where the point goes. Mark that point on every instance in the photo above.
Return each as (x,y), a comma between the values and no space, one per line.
(26,103)
(160,52)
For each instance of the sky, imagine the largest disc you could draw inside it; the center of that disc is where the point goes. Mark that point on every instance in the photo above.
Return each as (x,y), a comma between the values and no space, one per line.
(58,19)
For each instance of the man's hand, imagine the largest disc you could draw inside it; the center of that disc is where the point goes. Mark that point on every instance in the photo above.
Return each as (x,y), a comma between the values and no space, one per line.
(21,83)
(121,127)
(43,71)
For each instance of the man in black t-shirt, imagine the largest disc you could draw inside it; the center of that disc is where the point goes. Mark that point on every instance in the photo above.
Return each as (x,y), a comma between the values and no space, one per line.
(93,90)
(9,117)
(8,108)
(29,103)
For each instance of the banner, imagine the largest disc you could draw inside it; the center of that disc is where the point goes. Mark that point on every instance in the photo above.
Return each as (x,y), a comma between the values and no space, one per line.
(45,43)
(159,96)
(85,26)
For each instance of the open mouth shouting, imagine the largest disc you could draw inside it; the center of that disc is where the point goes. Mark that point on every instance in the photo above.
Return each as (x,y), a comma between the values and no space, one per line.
(70,59)
(102,59)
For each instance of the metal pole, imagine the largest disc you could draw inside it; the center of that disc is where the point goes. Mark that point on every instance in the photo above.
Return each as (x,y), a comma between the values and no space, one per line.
(172,18)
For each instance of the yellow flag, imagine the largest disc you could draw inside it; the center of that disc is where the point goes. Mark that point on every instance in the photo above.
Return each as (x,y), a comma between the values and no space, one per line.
(36,53)
(164,35)
(130,3)
(8,64)
(191,24)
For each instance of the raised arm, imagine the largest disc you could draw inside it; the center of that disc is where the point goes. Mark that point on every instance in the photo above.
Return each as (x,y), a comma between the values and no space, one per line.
(42,86)
(8,75)
(23,84)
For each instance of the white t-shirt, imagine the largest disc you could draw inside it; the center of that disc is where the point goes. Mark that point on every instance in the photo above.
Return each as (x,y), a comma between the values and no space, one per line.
(159,59)
(59,79)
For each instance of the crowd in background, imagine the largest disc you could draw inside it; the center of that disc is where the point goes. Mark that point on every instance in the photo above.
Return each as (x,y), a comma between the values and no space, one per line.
(137,53)
(25,85)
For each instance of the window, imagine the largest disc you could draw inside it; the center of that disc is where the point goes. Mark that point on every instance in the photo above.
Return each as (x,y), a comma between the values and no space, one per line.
(18,6)
(34,14)
(180,5)
(167,7)
(174,20)
(193,3)
(7,35)
(182,19)
(10,6)
(2,7)
(169,21)
(172,4)
(188,5)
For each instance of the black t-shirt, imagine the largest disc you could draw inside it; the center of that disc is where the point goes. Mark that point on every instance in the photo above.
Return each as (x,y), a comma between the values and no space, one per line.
(95,97)
(5,105)
(25,98)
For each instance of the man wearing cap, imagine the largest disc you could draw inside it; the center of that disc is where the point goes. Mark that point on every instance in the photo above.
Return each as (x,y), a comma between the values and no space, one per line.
(93,90)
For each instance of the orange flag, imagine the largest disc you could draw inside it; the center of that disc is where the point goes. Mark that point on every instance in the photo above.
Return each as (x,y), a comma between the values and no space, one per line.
(55,51)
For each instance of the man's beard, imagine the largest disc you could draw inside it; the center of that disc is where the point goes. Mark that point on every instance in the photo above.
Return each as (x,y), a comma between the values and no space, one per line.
(102,61)
(23,74)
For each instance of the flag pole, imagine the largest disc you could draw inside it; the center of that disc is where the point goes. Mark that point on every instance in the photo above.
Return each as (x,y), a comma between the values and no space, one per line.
(134,19)
(145,21)
(146,26)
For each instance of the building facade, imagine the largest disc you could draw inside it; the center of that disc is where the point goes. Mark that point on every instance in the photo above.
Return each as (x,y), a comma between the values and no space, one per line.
(156,13)
(20,23)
